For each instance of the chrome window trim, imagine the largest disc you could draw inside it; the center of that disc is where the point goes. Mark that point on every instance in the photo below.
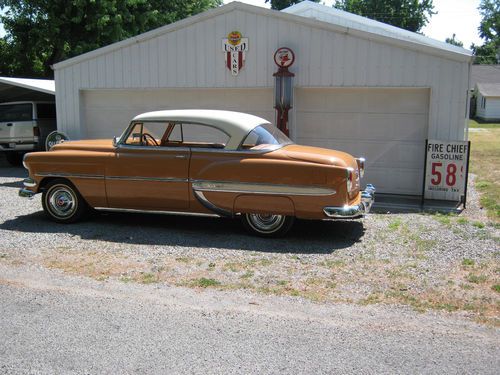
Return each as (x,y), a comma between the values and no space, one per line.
(127,131)
(259,188)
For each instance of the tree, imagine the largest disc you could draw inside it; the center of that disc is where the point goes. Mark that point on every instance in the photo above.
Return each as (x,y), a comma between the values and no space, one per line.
(454,41)
(282,4)
(40,33)
(489,31)
(411,15)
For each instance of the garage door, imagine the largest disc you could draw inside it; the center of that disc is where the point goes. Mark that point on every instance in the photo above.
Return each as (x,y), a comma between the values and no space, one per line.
(386,126)
(107,112)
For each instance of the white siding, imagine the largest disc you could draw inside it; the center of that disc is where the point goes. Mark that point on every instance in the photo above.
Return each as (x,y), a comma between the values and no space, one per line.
(491,109)
(191,57)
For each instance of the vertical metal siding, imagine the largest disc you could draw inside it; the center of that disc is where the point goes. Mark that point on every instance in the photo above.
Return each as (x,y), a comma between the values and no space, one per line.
(192,57)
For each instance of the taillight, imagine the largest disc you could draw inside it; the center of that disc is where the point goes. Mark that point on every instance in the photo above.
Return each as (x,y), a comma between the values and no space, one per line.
(350,179)
(36,131)
(361,166)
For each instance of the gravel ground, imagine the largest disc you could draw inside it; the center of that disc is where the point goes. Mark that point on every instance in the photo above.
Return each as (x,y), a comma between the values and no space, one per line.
(333,297)
(54,324)
(426,261)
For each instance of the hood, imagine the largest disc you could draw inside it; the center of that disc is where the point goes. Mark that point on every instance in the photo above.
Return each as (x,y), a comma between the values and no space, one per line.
(319,155)
(85,145)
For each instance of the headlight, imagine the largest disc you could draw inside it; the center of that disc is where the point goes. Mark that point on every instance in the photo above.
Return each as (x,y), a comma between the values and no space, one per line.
(24,162)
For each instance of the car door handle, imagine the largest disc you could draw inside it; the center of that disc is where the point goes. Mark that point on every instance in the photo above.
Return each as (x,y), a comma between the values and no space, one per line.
(9,124)
(180,156)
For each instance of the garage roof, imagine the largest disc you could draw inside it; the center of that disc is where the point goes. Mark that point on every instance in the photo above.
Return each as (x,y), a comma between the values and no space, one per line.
(353,21)
(489,89)
(16,89)
(331,19)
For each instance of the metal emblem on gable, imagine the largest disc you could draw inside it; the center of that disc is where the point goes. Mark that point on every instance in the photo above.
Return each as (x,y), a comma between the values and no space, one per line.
(234,46)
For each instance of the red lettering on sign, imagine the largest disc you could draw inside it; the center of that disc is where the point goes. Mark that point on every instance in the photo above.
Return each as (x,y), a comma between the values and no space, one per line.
(436,173)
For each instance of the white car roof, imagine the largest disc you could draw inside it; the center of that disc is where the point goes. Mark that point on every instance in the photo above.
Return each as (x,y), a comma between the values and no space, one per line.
(236,124)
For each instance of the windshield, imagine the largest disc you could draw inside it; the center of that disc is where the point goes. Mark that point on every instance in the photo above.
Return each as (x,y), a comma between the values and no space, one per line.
(265,137)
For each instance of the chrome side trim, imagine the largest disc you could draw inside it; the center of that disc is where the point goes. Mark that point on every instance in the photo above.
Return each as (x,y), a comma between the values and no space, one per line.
(258,188)
(52,174)
(29,182)
(139,178)
(133,210)
(209,205)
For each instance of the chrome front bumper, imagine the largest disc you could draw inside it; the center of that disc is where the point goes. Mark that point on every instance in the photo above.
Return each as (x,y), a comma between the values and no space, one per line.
(358,210)
(25,193)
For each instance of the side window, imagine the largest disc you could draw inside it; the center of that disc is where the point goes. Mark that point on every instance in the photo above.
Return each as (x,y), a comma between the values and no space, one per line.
(46,111)
(135,136)
(148,133)
(198,135)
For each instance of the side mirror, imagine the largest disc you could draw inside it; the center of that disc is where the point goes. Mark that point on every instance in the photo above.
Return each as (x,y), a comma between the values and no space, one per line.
(115,141)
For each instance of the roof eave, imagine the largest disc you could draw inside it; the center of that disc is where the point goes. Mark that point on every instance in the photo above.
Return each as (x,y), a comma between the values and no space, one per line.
(26,86)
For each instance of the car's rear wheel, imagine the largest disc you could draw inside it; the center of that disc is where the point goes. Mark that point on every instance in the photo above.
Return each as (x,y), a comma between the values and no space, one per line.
(62,203)
(267,225)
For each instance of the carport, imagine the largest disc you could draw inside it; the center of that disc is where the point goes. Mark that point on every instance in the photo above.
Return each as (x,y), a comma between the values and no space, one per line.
(20,89)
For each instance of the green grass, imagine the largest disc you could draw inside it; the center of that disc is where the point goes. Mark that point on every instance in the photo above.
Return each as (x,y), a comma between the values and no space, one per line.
(477,279)
(496,288)
(483,125)
(205,283)
(395,224)
(467,262)
(148,278)
(485,164)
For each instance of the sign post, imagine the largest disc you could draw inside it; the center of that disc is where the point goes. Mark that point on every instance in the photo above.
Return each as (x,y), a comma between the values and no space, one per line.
(446,169)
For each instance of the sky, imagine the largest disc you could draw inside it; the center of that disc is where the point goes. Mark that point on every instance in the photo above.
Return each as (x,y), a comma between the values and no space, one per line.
(459,17)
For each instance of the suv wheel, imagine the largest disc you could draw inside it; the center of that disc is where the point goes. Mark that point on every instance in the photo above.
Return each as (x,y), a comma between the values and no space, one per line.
(14,158)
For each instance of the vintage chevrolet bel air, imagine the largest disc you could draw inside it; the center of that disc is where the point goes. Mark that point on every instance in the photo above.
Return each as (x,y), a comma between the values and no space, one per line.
(203,162)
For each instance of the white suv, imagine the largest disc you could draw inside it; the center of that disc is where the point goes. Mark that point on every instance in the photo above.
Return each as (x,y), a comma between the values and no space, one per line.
(24,127)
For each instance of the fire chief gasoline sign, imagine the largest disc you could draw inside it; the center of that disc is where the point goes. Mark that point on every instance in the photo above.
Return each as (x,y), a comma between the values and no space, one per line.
(446,170)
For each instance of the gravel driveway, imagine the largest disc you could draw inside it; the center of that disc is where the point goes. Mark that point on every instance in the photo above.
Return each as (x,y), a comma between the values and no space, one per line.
(380,290)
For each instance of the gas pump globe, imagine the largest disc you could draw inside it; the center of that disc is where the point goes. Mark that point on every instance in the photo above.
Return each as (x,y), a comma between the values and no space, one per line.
(283,87)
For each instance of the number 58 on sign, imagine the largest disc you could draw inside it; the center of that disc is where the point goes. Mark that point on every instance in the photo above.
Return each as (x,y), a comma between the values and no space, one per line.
(446,170)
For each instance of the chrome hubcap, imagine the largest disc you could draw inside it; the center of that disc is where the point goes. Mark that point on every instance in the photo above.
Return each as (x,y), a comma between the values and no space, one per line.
(265,223)
(62,201)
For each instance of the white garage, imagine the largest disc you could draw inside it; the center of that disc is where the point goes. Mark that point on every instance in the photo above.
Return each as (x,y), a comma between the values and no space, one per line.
(107,112)
(360,86)
(387,126)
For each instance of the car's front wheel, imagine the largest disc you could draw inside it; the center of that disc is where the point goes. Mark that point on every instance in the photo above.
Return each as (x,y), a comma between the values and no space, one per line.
(267,225)
(62,203)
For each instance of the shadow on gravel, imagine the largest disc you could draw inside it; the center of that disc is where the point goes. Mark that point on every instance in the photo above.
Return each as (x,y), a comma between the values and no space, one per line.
(306,237)
(15,184)
(6,171)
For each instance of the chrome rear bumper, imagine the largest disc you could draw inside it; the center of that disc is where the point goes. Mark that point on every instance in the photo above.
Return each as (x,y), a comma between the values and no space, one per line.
(358,210)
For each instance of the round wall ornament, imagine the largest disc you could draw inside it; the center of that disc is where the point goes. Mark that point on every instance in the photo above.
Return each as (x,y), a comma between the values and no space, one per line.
(54,138)
(284,57)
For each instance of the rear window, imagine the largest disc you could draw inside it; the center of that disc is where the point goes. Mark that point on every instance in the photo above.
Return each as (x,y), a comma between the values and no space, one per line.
(16,112)
(46,110)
